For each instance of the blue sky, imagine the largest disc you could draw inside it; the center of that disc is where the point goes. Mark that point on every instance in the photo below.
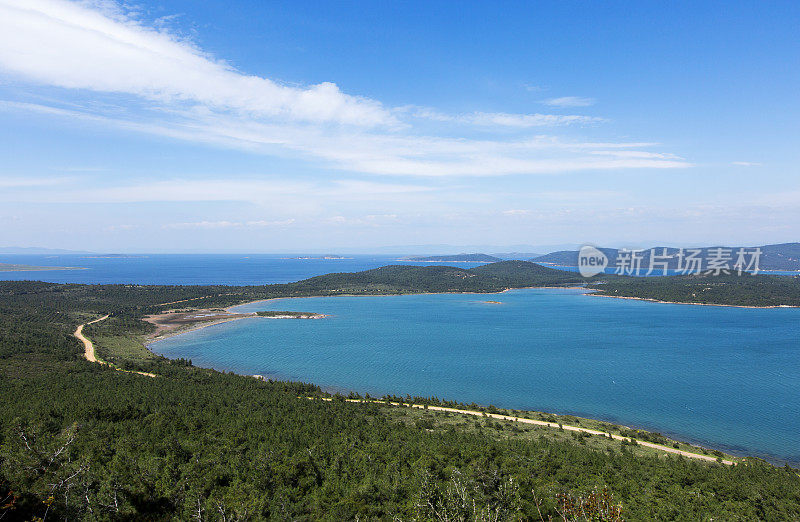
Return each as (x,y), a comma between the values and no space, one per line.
(271,126)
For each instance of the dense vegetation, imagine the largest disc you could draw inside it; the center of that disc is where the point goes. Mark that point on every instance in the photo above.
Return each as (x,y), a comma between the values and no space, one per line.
(398,279)
(734,290)
(82,441)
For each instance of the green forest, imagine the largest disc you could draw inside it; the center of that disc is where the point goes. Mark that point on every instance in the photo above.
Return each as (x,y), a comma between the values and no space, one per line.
(729,290)
(82,441)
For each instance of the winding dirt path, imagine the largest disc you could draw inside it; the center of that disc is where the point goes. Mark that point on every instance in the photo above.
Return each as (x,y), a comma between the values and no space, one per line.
(88,348)
(552,425)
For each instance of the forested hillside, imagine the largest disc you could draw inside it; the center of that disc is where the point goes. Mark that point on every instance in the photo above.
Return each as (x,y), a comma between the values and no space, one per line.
(730,290)
(83,441)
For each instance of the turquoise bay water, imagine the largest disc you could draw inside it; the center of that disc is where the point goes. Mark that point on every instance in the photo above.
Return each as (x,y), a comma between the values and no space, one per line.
(724,377)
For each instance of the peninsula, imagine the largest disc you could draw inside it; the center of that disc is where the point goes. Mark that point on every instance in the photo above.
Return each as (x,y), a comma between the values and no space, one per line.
(8,267)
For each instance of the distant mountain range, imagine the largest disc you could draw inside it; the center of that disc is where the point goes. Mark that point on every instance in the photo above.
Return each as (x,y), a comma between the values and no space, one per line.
(521,256)
(457,258)
(785,256)
(37,251)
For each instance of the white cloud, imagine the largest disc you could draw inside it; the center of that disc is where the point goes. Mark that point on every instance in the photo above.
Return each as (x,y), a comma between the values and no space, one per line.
(745,164)
(570,101)
(516,212)
(264,223)
(68,45)
(153,81)
(276,192)
(23,182)
(396,154)
(118,228)
(503,119)
(637,154)
(212,225)
(534,88)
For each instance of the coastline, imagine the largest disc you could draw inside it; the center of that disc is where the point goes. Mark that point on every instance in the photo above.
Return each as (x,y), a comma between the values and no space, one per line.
(201,325)
(587,292)
(650,299)
(672,435)
(231,309)
(180,331)
(25,268)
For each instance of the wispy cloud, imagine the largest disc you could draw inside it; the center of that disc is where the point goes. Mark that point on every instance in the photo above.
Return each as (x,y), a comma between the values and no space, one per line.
(277,192)
(745,164)
(570,101)
(229,224)
(534,88)
(66,44)
(154,81)
(394,154)
(503,119)
(27,182)
(119,228)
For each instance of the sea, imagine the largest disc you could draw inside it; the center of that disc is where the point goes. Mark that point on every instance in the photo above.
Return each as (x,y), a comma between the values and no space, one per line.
(727,378)
(194,269)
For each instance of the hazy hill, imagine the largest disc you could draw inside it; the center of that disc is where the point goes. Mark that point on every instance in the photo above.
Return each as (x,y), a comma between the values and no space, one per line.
(785,256)
(492,277)
(35,251)
(457,258)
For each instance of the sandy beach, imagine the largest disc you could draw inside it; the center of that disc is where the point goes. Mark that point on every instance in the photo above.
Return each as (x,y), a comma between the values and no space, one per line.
(171,324)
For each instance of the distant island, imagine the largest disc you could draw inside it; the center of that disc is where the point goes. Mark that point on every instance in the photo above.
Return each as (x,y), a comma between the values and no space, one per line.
(39,251)
(457,258)
(8,267)
(319,257)
(114,256)
(283,314)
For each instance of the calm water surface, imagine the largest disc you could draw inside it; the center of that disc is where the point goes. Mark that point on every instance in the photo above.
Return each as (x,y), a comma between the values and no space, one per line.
(192,269)
(725,377)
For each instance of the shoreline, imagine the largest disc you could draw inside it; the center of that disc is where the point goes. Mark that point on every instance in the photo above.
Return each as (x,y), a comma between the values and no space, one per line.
(230,308)
(587,292)
(652,300)
(200,325)
(25,268)
(686,439)
(192,328)
(760,270)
